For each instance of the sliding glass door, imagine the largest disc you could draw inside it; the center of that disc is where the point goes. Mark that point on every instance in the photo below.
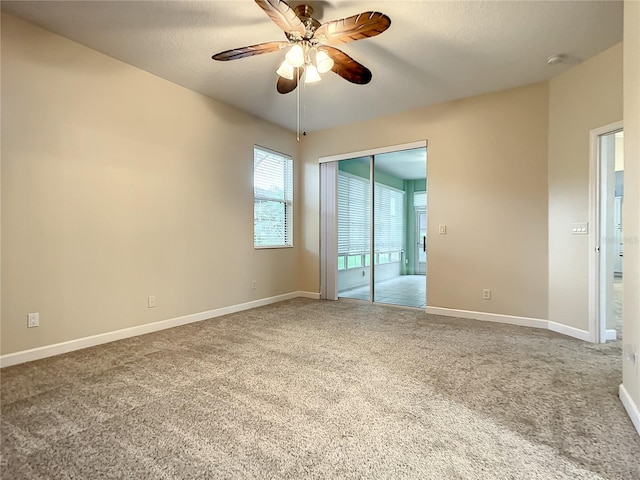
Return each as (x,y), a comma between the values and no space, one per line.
(377,228)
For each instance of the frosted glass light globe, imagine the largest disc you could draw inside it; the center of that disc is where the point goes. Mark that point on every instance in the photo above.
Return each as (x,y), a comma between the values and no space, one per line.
(295,56)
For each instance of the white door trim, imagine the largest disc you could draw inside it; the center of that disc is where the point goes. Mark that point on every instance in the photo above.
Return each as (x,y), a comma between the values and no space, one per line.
(373,151)
(597,328)
(328,229)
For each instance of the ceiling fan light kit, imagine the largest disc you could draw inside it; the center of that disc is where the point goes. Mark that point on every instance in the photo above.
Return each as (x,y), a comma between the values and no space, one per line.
(295,56)
(310,51)
(313,61)
(310,44)
(311,74)
(323,61)
(285,70)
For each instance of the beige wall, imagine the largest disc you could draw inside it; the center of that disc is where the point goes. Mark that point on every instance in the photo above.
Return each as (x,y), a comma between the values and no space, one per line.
(585,97)
(487,177)
(631,212)
(117,185)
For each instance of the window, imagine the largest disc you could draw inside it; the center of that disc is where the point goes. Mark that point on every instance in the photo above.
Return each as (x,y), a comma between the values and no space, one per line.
(272,199)
(354,261)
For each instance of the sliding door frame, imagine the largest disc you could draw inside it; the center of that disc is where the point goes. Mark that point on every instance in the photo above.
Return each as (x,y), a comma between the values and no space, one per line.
(329,214)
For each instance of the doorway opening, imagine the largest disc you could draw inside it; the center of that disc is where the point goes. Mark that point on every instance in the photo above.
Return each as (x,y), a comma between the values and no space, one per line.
(375,247)
(607,274)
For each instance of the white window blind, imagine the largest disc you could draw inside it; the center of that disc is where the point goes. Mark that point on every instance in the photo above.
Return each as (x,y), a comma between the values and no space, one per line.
(420,199)
(273,199)
(388,216)
(354,216)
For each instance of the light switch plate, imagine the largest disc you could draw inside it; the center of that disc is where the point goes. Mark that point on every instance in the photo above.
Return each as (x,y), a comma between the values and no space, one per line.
(579,228)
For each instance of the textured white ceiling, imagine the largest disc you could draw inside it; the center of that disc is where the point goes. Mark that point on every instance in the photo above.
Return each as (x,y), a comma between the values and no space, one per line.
(434,51)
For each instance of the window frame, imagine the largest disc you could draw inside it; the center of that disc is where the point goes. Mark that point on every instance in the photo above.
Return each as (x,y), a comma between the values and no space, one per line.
(286,200)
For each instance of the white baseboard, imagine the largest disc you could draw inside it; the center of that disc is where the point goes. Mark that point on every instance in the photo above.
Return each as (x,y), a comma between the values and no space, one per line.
(80,343)
(489,317)
(631,408)
(313,295)
(610,334)
(571,331)
(514,320)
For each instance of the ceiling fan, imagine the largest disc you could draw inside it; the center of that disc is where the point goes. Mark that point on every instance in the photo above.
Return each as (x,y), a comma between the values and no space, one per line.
(310,44)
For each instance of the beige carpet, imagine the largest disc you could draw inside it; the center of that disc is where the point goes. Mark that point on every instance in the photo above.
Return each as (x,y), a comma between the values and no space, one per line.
(313,389)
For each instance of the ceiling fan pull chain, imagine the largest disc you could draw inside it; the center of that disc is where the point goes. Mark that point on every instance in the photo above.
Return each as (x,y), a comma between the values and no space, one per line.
(304,108)
(297,105)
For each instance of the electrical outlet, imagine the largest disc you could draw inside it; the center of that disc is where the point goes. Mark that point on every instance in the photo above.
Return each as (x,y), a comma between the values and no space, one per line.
(253,284)
(151,301)
(486,294)
(33,320)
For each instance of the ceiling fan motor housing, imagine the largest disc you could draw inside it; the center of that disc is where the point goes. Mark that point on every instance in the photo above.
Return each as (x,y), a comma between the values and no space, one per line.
(304,12)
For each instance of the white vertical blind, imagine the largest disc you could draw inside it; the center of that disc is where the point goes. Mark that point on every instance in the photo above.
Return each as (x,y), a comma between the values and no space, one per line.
(273,199)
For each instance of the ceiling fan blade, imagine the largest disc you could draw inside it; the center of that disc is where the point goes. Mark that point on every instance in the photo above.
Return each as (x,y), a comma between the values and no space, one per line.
(249,51)
(357,27)
(283,16)
(347,67)
(285,85)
